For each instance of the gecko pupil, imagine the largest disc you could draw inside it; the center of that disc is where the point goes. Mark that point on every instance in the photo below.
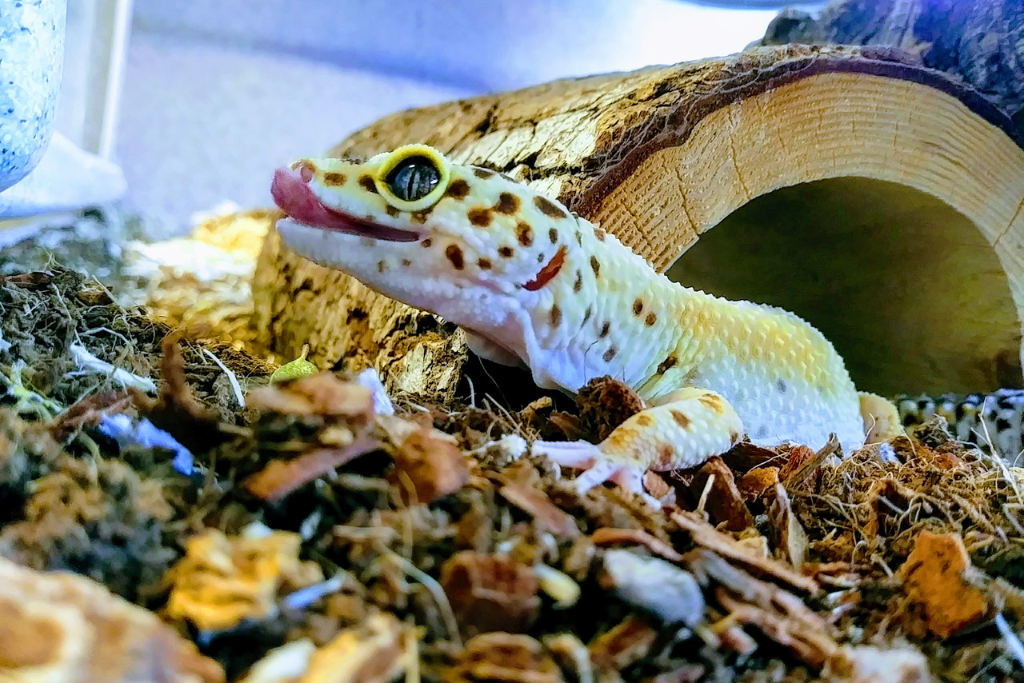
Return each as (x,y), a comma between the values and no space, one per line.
(413,178)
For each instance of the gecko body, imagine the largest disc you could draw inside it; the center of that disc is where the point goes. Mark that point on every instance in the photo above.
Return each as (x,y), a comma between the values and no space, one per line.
(534,285)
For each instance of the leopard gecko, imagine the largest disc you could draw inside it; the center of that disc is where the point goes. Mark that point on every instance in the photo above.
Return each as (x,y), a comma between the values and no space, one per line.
(535,286)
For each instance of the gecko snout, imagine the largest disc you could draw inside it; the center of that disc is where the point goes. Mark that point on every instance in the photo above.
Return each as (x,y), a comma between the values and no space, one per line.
(305,170)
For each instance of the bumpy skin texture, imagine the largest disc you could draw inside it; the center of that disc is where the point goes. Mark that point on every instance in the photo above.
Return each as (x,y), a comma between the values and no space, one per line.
(534,285)
(994,422)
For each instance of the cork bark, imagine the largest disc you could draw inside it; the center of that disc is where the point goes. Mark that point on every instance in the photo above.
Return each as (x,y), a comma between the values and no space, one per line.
(980,42)
(661,155)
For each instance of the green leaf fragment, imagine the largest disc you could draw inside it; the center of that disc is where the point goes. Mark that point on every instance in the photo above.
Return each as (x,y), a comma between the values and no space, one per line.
(296,369)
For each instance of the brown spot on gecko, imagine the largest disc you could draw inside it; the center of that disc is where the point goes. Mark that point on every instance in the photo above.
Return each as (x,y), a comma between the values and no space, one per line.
(587,313)
(479,217)
(595,265)
(667,365)
(381,266)
(421,216)
(484,264)
(579,238)
(553,236)
(650,319)
(578,285)
(638,307)
(505,252)
(507,204)
(665,456)
(548,272)
(548,208)
(406,262)
(609,354)
(426,243)
(604,329)
(392,211)
(457,189)
(366,182)
(540,257)
(555,316)
(681,420)
(482,172)
(454,255)
(713,402)
(524,233)
(781,386)
(600,234)
(644,420)
(334,178)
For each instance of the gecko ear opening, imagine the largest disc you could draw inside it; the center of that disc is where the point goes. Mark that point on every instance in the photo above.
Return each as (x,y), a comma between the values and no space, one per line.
(413,177)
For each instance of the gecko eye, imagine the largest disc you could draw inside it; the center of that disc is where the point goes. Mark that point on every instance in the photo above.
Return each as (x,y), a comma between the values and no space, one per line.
(413,178)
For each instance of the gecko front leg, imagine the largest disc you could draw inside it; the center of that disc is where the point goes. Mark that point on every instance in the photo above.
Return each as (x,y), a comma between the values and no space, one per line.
(489,350)
(684,429)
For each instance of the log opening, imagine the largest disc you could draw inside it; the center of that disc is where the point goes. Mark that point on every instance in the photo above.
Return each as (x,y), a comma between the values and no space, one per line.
(906,288)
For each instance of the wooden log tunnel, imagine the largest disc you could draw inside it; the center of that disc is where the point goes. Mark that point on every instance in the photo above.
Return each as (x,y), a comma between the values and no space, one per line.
(877,199)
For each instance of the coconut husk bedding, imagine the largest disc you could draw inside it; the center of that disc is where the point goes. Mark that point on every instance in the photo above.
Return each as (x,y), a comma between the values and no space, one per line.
(199,520)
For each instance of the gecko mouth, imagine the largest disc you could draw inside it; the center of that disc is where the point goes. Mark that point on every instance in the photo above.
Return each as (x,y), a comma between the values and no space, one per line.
(293,196)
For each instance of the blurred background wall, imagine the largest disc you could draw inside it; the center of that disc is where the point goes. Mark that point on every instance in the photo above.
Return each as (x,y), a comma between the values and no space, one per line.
(199,100)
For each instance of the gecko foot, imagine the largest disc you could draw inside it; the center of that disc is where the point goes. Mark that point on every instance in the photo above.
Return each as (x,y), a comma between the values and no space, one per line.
(598,467)
(691,426)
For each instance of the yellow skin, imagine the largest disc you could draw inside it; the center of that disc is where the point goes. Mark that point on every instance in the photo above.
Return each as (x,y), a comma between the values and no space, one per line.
(536,286)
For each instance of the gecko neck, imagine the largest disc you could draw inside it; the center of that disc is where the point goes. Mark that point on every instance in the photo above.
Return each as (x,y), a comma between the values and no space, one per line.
(608,313)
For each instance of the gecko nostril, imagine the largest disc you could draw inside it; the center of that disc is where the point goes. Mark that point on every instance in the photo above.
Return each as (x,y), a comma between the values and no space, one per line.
(306,172)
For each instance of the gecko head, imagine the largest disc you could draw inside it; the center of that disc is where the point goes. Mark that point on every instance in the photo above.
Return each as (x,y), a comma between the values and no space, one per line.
(460,241)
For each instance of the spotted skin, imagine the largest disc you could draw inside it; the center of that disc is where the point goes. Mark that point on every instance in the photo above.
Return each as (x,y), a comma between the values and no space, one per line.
(534,285)
(986,420)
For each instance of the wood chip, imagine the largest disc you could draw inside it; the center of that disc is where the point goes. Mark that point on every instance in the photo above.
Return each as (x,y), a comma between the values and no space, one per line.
(801,468)
(808,640)
(799,456)
(792,539)
(756,483)
(745,456)
(322,395)
(934,577)
(656,485)
(490,592)
(505,657)
(708,537)
(60,626)
(223,580)
(624,644)
(724,503)
(776,612)
(886,499)
(607,537)
(281,477)
(431,464)
(536,503)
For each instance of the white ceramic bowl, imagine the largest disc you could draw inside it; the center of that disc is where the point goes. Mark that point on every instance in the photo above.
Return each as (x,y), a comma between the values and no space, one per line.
(31,62)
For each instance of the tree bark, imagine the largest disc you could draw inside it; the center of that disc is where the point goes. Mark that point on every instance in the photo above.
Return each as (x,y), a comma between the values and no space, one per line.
(980,42)
(845,176)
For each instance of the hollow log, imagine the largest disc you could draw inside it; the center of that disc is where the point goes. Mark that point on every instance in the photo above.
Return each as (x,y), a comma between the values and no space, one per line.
(980,42)
(876,198)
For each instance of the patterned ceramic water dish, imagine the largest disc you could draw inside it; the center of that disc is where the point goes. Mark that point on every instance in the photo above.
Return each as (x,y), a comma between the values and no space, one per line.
(31,62)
